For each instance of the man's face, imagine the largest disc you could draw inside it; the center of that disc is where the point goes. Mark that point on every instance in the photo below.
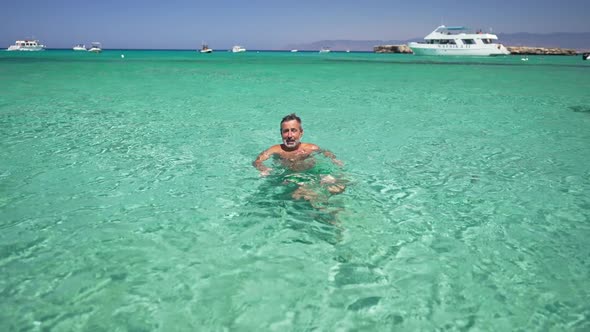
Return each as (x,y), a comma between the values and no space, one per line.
(291,132)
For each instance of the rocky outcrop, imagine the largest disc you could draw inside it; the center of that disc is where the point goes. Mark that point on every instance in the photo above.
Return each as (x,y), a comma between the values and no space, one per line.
(518,50)
(526,50)
(392,49)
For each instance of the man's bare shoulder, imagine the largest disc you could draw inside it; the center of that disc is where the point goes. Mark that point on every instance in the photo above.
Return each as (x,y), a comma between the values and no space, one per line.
(310,147)
(275,149)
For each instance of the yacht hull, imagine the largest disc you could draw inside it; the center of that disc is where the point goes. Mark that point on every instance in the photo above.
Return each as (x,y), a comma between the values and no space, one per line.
(454,50)
(25,49)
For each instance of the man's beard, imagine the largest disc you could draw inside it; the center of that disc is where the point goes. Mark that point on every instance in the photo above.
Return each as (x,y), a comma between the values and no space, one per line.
(290,143)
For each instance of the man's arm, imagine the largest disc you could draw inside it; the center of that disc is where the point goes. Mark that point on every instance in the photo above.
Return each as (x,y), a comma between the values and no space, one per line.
(332,157)
(329,154)
(259,162)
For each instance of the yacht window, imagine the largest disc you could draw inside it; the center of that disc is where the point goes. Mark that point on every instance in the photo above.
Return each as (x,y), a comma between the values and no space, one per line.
(468,41)
(486,41)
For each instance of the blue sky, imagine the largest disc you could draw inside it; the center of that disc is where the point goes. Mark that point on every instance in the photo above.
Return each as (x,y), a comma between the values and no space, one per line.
(270,24)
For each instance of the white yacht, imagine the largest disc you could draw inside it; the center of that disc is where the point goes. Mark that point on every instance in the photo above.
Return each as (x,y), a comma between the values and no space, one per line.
(458,41)
(26,45)
(294,51)
(79,47)
(205,49)
(95,48)
(585,56)
(325,50)
(238,49)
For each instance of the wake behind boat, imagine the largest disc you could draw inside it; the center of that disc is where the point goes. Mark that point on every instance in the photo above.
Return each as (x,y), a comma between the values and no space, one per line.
(26,45)
(455,41)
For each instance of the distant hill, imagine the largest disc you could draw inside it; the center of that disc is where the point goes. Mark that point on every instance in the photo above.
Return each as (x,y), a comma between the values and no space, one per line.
(578,41)
(342,45)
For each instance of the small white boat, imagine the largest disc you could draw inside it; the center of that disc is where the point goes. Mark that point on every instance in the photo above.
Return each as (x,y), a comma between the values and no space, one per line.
(205,49)
(80,47)
(294,51)
(95,48)
(238,49)
(586,56)
(325,50)
(26,45)
(455,41)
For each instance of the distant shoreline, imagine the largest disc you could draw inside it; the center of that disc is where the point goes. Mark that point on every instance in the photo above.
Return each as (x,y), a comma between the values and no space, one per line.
(379,49)
(197,51)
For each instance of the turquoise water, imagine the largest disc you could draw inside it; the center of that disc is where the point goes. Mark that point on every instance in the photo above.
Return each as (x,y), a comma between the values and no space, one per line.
(128,201)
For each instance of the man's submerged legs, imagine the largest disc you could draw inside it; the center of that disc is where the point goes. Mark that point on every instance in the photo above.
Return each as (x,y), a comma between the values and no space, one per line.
(332,184)
(306,193)
(318,194)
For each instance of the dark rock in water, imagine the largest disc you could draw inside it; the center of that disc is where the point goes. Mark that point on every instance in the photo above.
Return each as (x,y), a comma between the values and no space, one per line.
(580,109)
(392,49)
(364,303)
(526,50)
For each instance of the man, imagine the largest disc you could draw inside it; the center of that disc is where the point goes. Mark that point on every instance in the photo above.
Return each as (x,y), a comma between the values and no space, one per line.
(297,156)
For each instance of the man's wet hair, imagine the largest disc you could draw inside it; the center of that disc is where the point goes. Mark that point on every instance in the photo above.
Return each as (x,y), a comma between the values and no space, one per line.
(290,117)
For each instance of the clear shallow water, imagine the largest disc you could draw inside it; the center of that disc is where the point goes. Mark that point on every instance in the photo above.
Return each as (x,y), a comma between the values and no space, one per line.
(128,200)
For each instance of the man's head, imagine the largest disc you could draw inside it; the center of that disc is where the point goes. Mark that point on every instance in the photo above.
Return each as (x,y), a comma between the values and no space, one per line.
(291,131)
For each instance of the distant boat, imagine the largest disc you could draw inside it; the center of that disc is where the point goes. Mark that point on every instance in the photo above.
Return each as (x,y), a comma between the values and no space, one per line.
(238,49)
(586,56)
(79,47)
(205,49)
(26,45)
(455,41)
(347,51)
(294,51)
(325,50)
(95,48)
